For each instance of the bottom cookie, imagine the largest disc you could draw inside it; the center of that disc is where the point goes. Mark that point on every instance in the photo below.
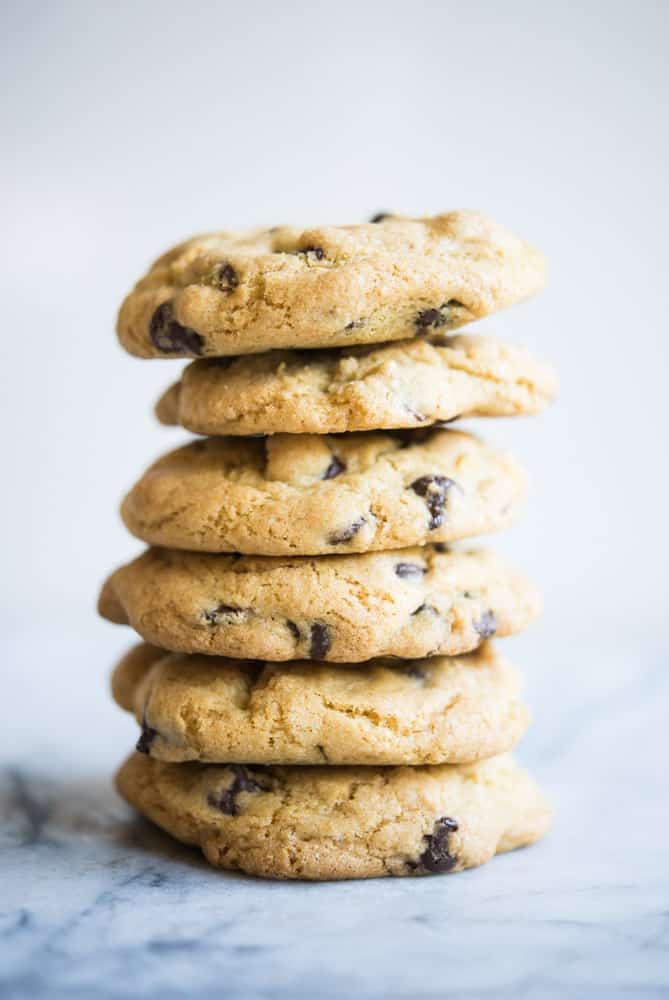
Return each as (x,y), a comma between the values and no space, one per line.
(341,822)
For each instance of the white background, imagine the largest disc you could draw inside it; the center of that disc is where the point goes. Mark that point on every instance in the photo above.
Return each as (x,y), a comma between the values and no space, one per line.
(129,126)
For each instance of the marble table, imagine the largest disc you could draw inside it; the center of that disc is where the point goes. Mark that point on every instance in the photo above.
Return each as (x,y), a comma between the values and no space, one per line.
(95,902)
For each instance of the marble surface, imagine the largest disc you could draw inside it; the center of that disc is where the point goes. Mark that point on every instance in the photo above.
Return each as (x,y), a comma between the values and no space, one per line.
(94,902)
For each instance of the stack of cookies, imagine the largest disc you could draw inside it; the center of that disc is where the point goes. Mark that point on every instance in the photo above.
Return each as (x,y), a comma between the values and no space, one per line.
(318,693)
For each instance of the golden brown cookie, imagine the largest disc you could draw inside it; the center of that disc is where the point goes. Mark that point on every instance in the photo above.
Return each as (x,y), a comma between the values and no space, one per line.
(409,384)
(241,293)
(410,603)
(309,495)
(341,822)
(441,710)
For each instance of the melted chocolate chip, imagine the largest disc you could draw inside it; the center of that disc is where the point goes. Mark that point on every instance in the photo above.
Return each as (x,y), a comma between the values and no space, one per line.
(406,570)
(441,316)
(227,278)
(346,534)
(355,324)
(440,547)
(434,490)
(427,318)
(436,857)
(213,615)
(319,641)
(146,739)
(227,801)
(335,468)
(171,337)
(293,629)
(380,216)
(486,625)
(318,252)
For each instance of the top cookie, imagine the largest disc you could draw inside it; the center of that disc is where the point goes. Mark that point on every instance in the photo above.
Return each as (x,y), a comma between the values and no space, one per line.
(242,293)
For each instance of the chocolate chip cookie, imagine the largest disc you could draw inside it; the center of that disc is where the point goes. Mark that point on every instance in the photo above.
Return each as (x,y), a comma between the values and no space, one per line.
(242,293)
(409,603)
(409,384)
(308,495)
(441,710)
(341,822)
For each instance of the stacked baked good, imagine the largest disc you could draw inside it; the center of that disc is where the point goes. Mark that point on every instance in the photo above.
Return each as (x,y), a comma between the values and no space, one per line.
(317,690)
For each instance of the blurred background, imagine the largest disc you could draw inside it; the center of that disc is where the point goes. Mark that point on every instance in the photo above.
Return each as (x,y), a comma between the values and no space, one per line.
(131,126)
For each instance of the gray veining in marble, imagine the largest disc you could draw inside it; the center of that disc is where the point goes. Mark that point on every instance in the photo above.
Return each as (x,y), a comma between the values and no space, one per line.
(97,903)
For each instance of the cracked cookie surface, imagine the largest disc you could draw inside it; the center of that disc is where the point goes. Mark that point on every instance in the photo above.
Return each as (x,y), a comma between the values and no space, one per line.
(341,822)
(409,603)
(409,384)
(216,710)
(308,495)
(240,293)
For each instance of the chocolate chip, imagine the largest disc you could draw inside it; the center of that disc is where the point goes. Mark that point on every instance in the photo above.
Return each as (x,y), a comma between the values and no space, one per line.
(226,277)
(428,317)
(436,857)
(355,324)
(335,468)
(293,629)
(440,547)
(424,607)
(227,801)
(346,534)
(171,337)
(438,317)
(409,570)
(318,252)
(434,490)
(486,625)
(214,615)
(319,641)
(146,739)
(380,216)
